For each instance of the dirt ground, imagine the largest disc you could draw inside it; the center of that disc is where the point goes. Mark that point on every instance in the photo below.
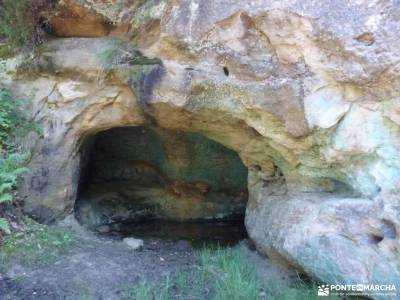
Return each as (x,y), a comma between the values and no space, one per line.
(102,267)
(97,269)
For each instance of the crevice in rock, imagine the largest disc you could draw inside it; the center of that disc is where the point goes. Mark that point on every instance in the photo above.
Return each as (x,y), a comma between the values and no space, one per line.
(367,38)
(226,71)
(389,229)
(376,239)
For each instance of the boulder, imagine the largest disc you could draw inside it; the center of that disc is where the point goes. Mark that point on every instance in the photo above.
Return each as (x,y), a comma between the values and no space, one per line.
(134,244)
(335,238)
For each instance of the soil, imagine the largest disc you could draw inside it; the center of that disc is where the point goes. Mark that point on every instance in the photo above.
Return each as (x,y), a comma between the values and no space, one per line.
(98,268)
(215,233)
(102,267)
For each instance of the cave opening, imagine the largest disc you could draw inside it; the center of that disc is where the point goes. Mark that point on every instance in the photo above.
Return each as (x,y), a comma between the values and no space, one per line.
(158,183)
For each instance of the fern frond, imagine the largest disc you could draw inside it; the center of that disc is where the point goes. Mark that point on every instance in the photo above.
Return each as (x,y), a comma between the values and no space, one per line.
(5,187)
(6,197)
(4,226)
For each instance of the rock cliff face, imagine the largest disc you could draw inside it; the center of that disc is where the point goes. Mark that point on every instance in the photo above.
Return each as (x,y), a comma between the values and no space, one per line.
(306,92)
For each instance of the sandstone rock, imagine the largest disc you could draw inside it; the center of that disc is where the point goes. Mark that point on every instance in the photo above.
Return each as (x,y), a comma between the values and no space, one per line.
(103,229)
(134,244)
(73,19)
(334,238)
(362,130)
(304,89)
(325,107)
(77,55)
(392,110)
(70,90)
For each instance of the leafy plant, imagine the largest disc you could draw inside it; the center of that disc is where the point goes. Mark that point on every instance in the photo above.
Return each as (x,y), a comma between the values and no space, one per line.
(12,162)
(14,25)
(10,168)
(20,21)
(118,52)
(10,116)
(13,121)
(113,53)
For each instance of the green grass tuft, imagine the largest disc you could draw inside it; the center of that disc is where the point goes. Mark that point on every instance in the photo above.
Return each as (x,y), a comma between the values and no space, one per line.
(233,275)
(117,52)
(223,273)
(37,246)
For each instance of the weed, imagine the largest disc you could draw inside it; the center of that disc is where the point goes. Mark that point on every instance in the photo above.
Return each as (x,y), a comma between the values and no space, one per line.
(13,123)
(14,25)
(20,21)
(223,273)
(233,276)
(113,53)
(36,246)
(118,52)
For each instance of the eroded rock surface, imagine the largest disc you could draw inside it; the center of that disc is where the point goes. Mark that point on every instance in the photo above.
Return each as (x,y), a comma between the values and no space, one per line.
(305,92)
(333,237)
(74,19)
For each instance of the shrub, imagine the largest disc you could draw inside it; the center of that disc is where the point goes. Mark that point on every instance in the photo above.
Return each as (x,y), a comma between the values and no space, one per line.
(21,20)
(13,121)
(12,161)
(117,52)
(9,116)
(10,168)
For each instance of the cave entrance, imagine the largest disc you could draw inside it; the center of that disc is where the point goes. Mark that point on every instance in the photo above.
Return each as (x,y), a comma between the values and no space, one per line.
(158,183)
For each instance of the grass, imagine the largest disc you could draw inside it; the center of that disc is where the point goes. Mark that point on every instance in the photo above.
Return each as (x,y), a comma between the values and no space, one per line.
(117,52)
(234,277)
(182,285)
(222,273)
(112,53)
(38,245)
